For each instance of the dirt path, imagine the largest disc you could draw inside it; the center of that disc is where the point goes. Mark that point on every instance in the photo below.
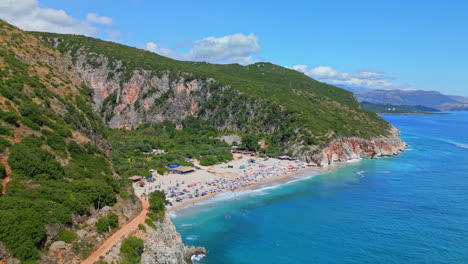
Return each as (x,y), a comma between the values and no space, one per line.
(112,240)
(8,172)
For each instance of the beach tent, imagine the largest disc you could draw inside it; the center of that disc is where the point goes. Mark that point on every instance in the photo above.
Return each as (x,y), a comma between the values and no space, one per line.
(173,166)
(242,167)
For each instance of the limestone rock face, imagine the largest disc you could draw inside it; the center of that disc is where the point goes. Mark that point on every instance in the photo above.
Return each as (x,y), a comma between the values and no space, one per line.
(91,221)
(107,209)
(59,245)
(82,233)
(165,245)
(344,149)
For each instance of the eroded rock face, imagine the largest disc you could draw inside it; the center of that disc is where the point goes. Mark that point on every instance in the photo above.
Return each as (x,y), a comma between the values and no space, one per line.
(165,245)
(344,149)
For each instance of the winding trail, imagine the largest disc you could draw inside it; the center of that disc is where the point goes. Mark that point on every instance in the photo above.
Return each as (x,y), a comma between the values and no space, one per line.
(114,238)
(8,172)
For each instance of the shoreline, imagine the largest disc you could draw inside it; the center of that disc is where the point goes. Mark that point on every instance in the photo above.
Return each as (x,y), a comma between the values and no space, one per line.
(254,186)
(277,179)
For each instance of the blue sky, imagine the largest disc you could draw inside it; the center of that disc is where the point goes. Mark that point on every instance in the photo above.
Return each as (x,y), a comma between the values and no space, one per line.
(374,44)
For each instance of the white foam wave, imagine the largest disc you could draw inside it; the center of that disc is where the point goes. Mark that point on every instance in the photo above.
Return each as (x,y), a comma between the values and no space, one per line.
(186,224)
(172,214)
(461,145)
(360,173)
(455,143)
(197,258)
(192,237)
(353,160)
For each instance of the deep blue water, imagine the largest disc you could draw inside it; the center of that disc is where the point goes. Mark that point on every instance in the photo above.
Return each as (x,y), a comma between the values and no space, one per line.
(407,209)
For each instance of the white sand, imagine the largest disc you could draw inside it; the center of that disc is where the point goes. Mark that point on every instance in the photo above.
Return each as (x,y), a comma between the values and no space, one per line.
(219,178)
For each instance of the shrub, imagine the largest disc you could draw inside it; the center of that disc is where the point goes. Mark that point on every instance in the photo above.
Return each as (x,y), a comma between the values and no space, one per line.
(157,203)
(10,118)
(4,131)
(111,221)
(4,144)
(27,122)
(2,171)
(142,227)
(150,223)
(66,236)
(102,225)
(131,250)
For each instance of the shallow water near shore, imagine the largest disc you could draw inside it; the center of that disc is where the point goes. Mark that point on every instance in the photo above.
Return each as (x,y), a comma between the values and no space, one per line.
(407,209)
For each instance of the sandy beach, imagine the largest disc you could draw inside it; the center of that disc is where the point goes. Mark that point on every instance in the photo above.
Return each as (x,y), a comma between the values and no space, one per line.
(242,173)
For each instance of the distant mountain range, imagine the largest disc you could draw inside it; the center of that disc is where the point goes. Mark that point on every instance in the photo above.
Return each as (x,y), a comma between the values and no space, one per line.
(431,99)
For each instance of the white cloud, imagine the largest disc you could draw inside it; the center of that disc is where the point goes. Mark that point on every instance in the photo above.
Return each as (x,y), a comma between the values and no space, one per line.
(95,18)
(237,48)
(27,15)
(151,46)
(362,78)
(300,67)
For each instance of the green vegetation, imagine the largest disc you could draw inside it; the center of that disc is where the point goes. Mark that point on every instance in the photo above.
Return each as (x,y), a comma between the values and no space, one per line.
(157,206)
(4,144)
(142,227)
(107,223)
(196,140)
(150,223)
(66,236)
(2,171)
(131,250)
(42,191)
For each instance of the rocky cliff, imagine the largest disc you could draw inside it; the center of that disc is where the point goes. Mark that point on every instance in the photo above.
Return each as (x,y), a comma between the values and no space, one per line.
(127,99)
(165,245)
(349,148)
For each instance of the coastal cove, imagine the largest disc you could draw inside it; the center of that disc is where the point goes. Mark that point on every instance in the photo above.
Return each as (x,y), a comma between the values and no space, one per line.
(411,208)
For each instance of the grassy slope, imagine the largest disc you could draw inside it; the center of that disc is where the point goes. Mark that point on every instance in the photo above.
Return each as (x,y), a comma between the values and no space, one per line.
(313,105)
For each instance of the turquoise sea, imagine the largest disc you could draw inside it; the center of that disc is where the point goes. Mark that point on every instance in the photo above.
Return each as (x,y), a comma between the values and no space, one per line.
(407,209)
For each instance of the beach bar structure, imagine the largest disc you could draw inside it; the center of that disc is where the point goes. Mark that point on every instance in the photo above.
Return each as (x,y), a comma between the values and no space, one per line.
(181,169)
(135,178)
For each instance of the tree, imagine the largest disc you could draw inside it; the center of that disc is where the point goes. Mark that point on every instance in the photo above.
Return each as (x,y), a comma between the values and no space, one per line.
(250,142)
(131,250)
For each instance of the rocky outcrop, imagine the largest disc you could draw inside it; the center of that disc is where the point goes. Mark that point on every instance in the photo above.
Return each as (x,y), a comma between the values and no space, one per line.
(344,149)
(165,245)
(5,256)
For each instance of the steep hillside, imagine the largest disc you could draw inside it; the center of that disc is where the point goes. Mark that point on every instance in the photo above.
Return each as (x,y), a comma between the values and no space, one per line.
(285,107)
(53,147)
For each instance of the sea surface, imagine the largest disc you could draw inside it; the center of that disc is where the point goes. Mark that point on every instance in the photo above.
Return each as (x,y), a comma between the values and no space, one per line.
(407,209)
